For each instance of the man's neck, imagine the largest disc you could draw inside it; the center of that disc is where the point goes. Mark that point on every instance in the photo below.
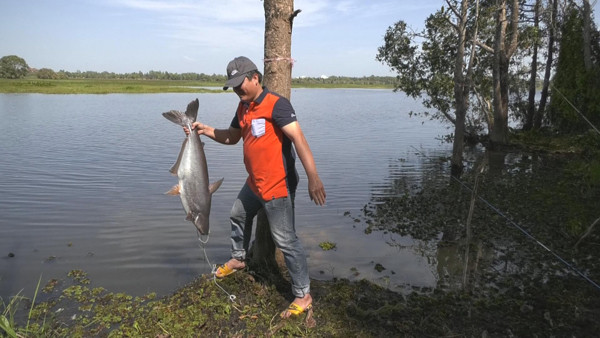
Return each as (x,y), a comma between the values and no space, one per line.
(258,93)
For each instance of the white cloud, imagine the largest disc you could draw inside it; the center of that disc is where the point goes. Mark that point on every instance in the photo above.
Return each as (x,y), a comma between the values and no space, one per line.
(200,29)
(219,11)
(206,24)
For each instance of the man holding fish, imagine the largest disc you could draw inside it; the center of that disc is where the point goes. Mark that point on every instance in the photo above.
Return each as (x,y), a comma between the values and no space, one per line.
(267,124)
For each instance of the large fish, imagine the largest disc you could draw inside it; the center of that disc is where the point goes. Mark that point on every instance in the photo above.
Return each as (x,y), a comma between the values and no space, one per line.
(192,171)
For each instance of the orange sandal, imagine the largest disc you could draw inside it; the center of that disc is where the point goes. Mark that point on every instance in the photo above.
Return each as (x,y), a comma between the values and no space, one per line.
(296,310)
(224,270)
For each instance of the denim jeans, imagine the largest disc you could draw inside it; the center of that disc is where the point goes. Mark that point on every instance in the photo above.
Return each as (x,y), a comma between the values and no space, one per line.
(280,213)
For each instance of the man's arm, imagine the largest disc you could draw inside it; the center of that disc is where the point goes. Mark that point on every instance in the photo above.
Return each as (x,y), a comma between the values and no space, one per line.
(224,136)
(316,190)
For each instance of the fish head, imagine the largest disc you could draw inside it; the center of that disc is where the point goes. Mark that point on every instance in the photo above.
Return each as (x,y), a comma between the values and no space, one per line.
(201,223)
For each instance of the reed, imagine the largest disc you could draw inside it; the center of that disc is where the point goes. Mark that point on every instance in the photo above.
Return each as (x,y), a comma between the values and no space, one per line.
(7,318)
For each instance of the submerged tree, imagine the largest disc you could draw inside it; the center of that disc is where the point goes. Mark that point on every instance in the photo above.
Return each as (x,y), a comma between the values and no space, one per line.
(499,77)
(504,46)
(440,69)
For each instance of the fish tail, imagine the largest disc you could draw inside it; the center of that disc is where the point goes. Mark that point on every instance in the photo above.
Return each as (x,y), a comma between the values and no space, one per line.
(192,110)
(182,119)
(176,117)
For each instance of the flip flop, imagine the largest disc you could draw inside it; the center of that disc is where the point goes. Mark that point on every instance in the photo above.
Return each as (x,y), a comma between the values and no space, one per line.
(224,270)
(296,310)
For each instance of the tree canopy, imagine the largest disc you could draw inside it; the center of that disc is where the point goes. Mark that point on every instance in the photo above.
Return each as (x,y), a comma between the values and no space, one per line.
(575,87)
(499,64)
(13,67)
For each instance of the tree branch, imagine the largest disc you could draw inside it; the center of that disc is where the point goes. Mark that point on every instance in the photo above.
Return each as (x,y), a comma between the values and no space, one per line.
(484,46)
(293,16)
(453,24)
(452,8)
(514,22)
(472,55)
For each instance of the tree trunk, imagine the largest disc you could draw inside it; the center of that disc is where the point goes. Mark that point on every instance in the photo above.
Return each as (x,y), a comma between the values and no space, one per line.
(533,75)
(497,134)
(587,37)
(503,51)
(539,115)
(461,91)
(279,16)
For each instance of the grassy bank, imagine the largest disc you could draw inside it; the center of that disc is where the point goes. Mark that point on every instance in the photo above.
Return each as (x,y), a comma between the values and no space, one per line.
(96,86)
(100,86)
(341,309)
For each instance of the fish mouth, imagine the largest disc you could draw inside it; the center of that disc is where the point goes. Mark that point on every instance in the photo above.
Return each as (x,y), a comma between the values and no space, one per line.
(201,224)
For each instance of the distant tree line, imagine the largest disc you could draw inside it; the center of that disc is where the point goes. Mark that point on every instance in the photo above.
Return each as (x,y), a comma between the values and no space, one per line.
(46,73)
(14,67)
(384,81)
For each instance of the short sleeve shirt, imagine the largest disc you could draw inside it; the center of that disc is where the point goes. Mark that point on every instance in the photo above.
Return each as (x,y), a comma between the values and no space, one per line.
(268,154)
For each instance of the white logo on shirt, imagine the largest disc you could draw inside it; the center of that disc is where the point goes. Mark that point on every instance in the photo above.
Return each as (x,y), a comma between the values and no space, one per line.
(258,127)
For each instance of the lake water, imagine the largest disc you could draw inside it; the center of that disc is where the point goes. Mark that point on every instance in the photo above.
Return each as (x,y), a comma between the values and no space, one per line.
(82,182)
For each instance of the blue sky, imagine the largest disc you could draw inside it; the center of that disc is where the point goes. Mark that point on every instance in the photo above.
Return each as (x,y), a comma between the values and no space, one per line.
(329,37)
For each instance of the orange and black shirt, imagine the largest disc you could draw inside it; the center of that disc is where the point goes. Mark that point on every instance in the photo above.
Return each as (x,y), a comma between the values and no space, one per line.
(269,156)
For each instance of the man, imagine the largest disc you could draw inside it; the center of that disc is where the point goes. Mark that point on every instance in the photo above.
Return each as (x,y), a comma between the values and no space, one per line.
(267,124)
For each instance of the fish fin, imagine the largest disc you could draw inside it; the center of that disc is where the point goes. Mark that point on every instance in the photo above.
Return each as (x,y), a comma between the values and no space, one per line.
(174,191)
(176,117)
(175,166)
(192,110)
(189,217)
(213,187)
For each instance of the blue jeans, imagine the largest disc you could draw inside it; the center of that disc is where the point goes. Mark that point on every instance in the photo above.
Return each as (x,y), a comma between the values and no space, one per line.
(280,213)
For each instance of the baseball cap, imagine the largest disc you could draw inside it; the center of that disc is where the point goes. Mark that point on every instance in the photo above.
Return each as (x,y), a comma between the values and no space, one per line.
(236,71)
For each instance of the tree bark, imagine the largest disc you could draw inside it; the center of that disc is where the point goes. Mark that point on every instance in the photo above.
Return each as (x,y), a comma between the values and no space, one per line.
(462,88)
(587,37)
(539,115)
(533,74)
(279,16)
(503,51)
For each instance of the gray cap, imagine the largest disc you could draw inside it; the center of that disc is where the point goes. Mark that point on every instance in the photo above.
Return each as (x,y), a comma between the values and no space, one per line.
(236,71)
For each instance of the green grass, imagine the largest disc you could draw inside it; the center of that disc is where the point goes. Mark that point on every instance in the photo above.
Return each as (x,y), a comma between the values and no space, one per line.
(98,86)
(7,317)
(103,86)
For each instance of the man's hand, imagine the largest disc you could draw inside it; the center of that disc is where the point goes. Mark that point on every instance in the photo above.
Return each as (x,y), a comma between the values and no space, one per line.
(316,191)
(199,127)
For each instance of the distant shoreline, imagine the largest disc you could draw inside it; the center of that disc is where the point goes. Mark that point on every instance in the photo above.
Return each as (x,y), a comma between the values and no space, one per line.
(122,86)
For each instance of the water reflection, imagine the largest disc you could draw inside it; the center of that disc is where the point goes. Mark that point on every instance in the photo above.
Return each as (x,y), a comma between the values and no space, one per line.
(509,235)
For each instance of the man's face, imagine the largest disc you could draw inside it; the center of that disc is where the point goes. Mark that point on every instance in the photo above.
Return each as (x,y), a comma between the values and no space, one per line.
(249,89)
